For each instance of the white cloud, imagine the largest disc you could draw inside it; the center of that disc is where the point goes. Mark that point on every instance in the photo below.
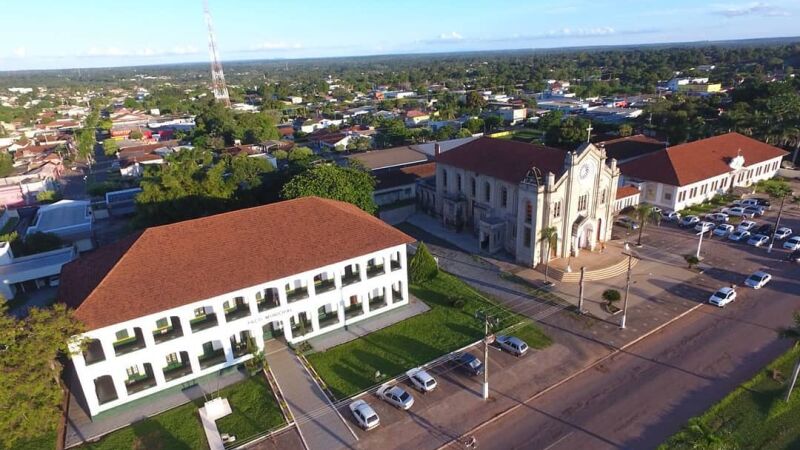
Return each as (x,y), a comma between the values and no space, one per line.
(20,52)
(748,9)
(276,45)
(116,52)
(451,36)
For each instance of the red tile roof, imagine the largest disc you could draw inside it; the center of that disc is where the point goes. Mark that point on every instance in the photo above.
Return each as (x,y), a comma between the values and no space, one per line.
(699,160)
(627,191)
(173,265)
(504,159)
(405,175)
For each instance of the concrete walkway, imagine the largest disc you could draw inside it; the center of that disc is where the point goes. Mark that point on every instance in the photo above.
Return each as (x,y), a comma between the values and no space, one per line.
(340,336)
(320,426)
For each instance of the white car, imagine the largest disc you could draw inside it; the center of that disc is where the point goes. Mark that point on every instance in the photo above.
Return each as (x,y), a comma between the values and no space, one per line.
(704,227)
(723,230)
(749,202)
(365,416)
(512,344)
(421,380)
(672,216)
(793,243)
(395,396)
(758,279)
(757,240)
(737,211)
(717,217)
(745,225)
(783,233)
(689,221)
(722,297)
(739,235)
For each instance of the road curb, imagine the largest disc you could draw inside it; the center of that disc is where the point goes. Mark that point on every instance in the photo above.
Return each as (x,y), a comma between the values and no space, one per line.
(570,377)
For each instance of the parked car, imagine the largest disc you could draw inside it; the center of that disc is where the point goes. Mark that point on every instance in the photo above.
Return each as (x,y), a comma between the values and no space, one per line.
(757,240)
(672,216)
(657,210)
(783,233)
(749,202)
(737,211)
(365,416)
(793,257)
(722,297)
(704,227)
(469,364)
(627,222)
(395,396)
(758,279)
(723,229)
(512,344)
(763,202)
(792,243)
(765,229)
(745,225)
(717,217)
(688,221)
(739,235)
(421,380)
(755,211)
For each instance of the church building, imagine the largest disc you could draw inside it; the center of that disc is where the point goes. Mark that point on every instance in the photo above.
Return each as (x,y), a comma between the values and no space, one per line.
(507,192)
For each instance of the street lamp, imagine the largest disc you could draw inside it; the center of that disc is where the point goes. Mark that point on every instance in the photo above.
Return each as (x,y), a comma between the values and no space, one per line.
(488,323)
(627,287)
(777,222)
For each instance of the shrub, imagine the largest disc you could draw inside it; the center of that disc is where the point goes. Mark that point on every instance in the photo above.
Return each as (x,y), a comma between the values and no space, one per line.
(457,303)
(48,196)
(611,295)
(422,267)
(691,260)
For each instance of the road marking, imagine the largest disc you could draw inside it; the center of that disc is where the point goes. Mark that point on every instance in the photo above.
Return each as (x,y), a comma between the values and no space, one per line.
(571,377)
(559,440)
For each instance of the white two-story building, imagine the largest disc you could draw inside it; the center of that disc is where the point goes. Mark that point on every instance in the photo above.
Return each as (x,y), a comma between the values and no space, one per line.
(180,301)
(687,174)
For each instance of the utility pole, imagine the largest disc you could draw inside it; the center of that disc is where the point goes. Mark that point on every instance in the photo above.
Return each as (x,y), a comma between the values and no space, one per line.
(627,290)
(699,243)
(580,290)
(489,321)
(777,223)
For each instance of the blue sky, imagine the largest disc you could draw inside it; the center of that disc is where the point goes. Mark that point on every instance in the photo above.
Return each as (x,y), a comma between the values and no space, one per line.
(45,34)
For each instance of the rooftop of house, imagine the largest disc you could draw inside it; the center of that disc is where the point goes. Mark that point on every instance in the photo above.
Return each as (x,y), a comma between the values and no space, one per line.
(504,159)
(699,160)
(61,214)
(627,191)
(390,157)
(405,175)
(172,265)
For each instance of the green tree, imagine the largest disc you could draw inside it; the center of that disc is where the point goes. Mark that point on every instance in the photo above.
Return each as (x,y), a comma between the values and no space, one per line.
(474,125)
(40,242)
(300,154)
(48,196)
(423,266)
(30,384)
(6,164)
(136,134)
(475,100)
(549,236)
(105,124)
(110,147)
(644,214)
(611,296)
(625,130)
(349,184)
(493,122)
(280,154)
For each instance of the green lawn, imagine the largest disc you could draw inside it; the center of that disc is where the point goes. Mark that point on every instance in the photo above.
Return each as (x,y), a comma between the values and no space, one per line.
(349,368)
(753,416)
(255,410)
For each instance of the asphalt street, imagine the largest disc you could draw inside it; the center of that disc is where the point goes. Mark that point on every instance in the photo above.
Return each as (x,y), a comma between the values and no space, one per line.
(641,396)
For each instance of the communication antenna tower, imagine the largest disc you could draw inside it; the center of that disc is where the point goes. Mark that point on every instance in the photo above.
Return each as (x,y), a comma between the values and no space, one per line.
(217,77)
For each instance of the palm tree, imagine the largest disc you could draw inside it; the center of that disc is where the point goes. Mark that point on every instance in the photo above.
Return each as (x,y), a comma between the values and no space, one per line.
(792,333)
(550,237)
(644,213)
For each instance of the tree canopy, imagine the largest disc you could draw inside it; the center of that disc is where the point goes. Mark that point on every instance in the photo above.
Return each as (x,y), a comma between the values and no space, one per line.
(349,184)
(30,386)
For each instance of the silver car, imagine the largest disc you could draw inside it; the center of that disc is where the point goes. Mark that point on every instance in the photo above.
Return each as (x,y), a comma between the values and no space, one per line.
(421,380)
(395,396)
(513,345)
(758,279)
(365,416)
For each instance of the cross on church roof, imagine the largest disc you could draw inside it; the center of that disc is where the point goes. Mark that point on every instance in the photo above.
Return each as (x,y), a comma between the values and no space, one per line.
(589,133)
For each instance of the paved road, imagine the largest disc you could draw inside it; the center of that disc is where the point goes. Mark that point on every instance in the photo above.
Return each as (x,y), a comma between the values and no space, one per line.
(640,397)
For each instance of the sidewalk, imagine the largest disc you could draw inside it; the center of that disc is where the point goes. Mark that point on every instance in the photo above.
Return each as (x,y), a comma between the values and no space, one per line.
(364,327)
(318,423)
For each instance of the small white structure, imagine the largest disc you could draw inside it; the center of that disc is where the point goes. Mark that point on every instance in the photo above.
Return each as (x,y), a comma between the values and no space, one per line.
(68,219)
(29,273)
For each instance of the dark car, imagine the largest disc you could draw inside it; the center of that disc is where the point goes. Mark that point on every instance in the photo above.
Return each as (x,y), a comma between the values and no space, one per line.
(794,256)
(763,202)
(765,229)
(469,364)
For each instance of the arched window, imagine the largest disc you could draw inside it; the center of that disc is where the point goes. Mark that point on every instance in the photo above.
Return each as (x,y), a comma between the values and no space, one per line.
(487,193)
(528,211)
